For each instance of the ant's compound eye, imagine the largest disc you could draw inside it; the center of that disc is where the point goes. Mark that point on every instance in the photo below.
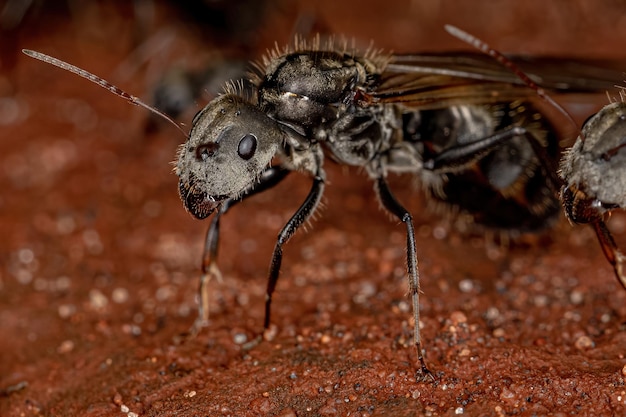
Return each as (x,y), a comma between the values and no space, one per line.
(247,146)
(204,152)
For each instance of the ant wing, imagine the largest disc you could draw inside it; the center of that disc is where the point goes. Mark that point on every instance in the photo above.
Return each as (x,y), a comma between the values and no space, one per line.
(436,91)
(438,81)
(572,75)
(555,73)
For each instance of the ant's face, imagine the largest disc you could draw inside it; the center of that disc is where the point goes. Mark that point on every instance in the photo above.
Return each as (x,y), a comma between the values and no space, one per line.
(230,144)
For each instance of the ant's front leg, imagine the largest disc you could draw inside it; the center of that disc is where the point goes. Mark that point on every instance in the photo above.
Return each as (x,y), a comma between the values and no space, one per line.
(269,178)
(303,214)
(580,208)
(610,249)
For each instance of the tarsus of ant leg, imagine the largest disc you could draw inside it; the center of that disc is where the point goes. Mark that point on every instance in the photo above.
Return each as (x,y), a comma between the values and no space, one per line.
(101,82)
(488,50)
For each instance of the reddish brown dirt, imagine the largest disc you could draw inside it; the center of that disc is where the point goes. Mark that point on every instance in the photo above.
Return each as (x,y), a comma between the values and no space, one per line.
(100,261)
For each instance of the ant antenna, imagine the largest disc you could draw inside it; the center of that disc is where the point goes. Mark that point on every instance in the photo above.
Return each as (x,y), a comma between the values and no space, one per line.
(101,82)
(510,65)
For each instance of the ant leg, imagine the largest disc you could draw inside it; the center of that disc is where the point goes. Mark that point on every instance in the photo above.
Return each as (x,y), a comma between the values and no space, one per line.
(300,216)
(269,178)
(210,269)
(466,154)
(394,207)
(610,249)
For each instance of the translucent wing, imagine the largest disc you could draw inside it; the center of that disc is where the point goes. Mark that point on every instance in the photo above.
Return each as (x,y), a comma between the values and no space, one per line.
(438,81)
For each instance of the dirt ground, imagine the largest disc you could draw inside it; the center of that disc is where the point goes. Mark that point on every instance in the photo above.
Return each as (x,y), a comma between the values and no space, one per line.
(100,262)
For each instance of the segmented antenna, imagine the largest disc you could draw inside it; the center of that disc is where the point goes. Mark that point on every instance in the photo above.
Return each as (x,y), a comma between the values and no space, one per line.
(506,62)
(101,82)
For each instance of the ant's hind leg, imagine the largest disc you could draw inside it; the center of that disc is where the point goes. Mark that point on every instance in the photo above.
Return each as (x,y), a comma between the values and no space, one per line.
(394,207)
(466,154)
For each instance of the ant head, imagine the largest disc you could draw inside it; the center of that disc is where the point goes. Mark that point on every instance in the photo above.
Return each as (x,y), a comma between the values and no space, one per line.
(595,167)
(230,144)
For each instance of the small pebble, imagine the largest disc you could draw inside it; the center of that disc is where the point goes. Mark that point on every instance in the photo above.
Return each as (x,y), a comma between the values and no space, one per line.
(66,346)
(466,285)
(439,232)
(66,310)
(457,317)
(576,297)
(97,299)
(270,334)
(289,412)
(119,295)
(25,255)
(499,332)
(492,313)
(584,343)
